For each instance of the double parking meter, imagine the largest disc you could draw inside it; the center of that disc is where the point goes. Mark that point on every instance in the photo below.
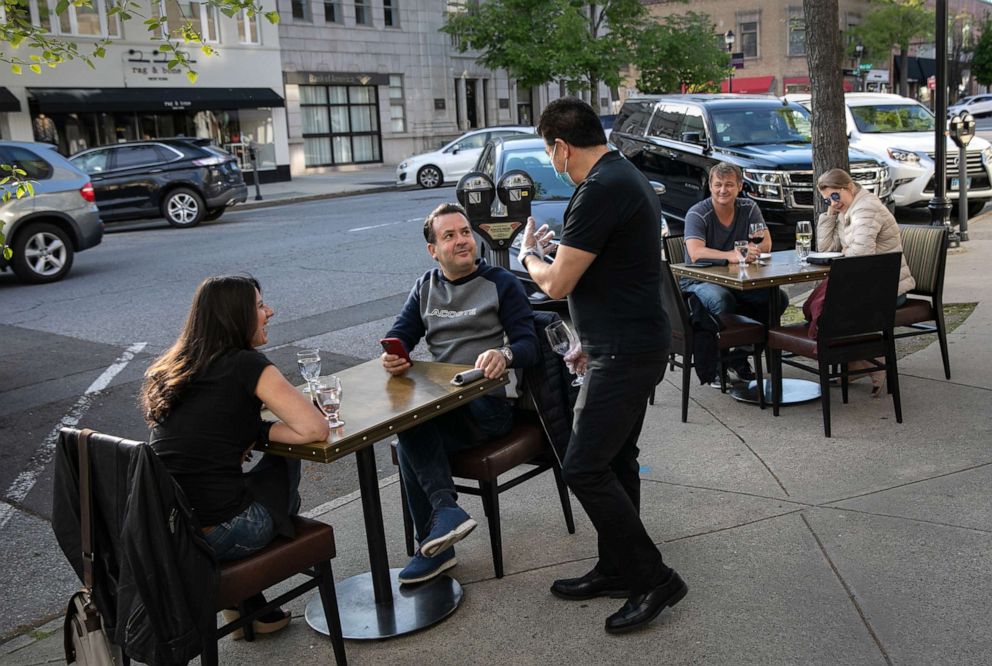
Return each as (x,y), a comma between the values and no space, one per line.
(961,129)
(476,193)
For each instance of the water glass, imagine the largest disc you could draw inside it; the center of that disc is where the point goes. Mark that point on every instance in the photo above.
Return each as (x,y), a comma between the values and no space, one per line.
(327,397)
(308,361)
(741,248)
(563,340)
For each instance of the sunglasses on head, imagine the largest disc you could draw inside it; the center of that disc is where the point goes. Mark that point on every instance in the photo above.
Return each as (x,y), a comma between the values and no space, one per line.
(834,198)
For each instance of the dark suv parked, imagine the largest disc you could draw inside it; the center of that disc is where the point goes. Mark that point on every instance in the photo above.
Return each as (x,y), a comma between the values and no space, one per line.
(675,139)
(183,180)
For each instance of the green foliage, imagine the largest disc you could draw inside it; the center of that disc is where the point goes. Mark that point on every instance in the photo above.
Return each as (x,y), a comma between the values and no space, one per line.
(684,50)
(981,61)
(892,24)
(24,46)
(13,185)
(582,43)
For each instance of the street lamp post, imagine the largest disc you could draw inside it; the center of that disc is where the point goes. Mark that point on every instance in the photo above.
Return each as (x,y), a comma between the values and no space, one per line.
(859,50)
(728,39)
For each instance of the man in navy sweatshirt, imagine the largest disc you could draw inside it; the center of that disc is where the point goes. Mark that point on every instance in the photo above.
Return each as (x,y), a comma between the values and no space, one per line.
(469,313)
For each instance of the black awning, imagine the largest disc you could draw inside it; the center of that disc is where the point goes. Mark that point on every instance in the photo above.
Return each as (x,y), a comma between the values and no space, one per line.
(8,102)
(76,100)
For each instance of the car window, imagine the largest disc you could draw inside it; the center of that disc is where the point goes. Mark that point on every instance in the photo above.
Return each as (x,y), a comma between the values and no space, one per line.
(779,124)
(666,121)
(486,161)
(633,118)
(469,142)
(34,166)
(135,156)
(165,154)
(693,122)
(537,164)
(499,134)
(95,162)
(893,118)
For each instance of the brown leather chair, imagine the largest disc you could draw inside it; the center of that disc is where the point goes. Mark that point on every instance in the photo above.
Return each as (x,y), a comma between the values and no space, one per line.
(925,250)
(856,325)
(737,332)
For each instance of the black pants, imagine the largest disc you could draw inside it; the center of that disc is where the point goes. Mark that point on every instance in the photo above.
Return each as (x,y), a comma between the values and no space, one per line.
(601,464)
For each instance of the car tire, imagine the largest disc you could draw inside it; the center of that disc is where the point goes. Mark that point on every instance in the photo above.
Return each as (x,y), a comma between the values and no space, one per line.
(182,207)
(975,207)
(42,253)
(429,177)
(214,214)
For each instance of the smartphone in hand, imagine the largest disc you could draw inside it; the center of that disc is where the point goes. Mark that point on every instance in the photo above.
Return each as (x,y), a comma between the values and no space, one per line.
(395,347)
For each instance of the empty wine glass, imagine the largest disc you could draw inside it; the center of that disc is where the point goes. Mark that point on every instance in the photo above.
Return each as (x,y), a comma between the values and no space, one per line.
(308,361)
(741,247)
(563,340)
(327,397)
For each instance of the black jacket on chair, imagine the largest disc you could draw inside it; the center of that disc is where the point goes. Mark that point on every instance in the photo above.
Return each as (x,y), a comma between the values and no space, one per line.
(155,575)
(549,383)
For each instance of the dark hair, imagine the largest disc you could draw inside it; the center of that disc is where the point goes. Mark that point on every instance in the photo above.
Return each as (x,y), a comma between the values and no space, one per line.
(443,209)
(222,318)
(573,121)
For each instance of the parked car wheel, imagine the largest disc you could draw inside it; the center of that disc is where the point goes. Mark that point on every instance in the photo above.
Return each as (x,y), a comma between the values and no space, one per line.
(42,253)
(429,177)
(214,214)
(974,208)
(183,208)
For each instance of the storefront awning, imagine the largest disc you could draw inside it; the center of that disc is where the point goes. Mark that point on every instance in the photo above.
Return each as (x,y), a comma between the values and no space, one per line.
(750,84)
(8,102)
(74,100)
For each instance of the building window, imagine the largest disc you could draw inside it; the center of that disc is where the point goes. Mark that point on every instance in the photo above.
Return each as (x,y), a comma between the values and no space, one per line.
(200,16)
(390,14)
(397,104)
(362,13)
(852,21)
(301,10)
(748,23)
(797,32)
(248,28)
(340,125)
(332,12)
(86,21)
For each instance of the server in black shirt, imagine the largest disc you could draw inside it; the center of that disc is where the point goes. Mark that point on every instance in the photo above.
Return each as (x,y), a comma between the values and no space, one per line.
(609,267)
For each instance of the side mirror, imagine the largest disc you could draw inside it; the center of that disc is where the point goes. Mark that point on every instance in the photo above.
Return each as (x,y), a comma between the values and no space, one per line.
(693,137)
(658,188)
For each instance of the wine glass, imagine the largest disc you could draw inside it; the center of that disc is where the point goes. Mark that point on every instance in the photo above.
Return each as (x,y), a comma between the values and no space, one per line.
(563,340)
(308,361)
(804,238)
(741,247)
(327,397)
(756,232)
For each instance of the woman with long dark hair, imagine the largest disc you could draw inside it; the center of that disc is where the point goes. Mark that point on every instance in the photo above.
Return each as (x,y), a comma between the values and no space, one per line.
(202,399)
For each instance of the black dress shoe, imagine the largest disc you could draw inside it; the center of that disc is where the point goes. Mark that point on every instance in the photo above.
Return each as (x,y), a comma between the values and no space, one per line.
(590,586)
(642,608)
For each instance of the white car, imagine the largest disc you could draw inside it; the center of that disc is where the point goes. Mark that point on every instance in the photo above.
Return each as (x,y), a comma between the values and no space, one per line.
(977,105)
(454,160)
(900,131)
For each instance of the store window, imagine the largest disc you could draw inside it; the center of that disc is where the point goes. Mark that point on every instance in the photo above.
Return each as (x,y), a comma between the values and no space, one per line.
(797,32)
(362,14)
(390,13)
(200,16)
(248,28)
(340,125)
(85,21)
(397,103)
(332,12)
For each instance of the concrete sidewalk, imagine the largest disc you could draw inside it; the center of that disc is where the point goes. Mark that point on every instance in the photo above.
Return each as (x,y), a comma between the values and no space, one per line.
(343,182)
(872,547)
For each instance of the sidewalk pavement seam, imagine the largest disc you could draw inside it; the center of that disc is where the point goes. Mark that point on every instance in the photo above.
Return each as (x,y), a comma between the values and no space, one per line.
(903,485)
(730,492)
(728,528)
(848,590)
(909,518)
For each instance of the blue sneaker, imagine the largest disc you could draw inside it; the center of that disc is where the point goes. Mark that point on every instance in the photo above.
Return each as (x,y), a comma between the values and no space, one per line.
(422,568)
(449,525)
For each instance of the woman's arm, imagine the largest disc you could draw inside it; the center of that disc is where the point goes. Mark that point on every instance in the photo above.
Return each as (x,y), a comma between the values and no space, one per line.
(866,223)
(827,239)
(299,421)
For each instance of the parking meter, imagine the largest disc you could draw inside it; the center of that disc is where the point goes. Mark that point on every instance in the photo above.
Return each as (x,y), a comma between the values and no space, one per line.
(476,193)
(961,129)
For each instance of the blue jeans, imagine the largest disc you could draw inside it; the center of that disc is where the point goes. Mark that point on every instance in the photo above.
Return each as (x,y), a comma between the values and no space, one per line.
(423,452)
(253,529)
(721,300)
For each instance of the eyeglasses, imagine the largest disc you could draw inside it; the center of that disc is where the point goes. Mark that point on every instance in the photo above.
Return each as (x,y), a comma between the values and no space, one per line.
(834,198)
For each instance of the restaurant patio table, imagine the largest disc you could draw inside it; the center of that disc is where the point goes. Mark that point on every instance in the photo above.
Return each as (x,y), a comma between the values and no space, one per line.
(375,405)
(781,269)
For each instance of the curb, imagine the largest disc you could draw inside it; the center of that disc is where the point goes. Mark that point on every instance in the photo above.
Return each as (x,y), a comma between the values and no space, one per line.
(269,203)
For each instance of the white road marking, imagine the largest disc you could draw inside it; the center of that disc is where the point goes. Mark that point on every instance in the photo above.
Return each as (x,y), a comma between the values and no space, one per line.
(25,481)
(327,507)
(385,224)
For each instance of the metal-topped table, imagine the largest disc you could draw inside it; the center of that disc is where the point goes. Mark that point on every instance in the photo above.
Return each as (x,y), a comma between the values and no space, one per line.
(781,269)
(376,405)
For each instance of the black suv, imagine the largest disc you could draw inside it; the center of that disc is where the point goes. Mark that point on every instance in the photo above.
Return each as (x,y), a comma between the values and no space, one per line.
(185,180)
(675,139)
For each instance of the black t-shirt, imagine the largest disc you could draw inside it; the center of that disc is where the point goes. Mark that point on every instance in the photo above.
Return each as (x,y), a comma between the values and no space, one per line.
(202,439)
(616,305)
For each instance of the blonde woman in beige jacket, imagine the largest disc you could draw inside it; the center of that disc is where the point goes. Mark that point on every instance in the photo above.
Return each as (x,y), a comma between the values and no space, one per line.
(857,223)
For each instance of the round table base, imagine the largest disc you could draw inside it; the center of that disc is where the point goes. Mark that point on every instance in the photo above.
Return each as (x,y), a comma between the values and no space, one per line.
(414,607)
(794,391)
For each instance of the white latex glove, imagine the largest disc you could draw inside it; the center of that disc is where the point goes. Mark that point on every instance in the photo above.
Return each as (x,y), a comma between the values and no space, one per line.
(545,235)
(576,360)
(529,241)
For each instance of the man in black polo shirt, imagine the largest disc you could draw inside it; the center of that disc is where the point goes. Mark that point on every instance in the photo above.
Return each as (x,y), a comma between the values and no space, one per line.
(609,267)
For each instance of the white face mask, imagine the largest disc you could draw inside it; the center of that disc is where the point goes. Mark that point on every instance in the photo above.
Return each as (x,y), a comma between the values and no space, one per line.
(561,175)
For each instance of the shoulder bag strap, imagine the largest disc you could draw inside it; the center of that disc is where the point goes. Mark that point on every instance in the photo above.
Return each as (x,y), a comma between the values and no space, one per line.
(86,506)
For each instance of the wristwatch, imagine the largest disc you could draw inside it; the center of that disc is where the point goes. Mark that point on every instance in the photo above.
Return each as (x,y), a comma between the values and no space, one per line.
(507,353)
(528,253)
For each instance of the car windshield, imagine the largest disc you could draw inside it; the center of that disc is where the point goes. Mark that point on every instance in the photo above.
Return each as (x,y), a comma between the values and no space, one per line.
(749,127)
(537,164)
(892,118)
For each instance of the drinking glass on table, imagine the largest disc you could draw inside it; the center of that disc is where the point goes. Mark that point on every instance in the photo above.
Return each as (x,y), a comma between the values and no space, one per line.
(327,397)
(756,232)
(804,238)
(741,248)
(308,361)
(563,340)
